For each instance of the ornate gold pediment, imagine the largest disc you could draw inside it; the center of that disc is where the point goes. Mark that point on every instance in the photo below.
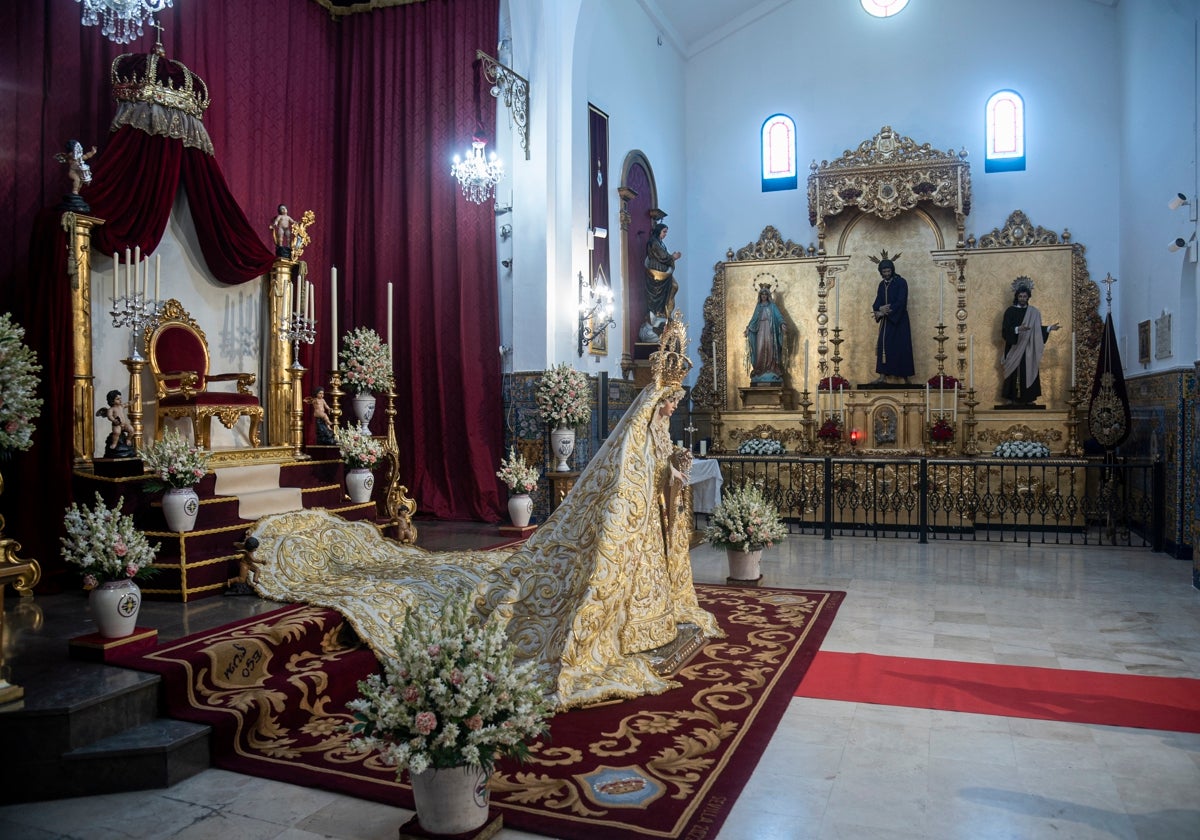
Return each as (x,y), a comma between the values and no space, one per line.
(888,175)
(770,246)
(1018,232)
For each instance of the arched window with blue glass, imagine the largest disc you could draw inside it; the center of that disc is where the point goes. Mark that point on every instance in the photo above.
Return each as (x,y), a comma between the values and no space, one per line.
(1005,118)
(779,153)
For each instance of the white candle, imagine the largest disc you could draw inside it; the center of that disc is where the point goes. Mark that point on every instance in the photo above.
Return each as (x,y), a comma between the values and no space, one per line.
(333,314)
(391,356)
(158,276)
(312,303)
(806,364)
(955,404)
(837,304)
(942,394)
(128,268)
(941,293)
(703,447)
(842,402)
(287,301)
(116,270)
(1072,358)
(971,362)
(926,399)
(137,269)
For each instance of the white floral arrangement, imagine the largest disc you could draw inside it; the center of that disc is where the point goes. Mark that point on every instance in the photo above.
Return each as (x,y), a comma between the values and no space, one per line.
(517,474)
(105,545)
(174,461)
(745,521)
(19,404)
(564,397)
(366,364)
(760,446)
(358,449)
(449,696)
(1021,449)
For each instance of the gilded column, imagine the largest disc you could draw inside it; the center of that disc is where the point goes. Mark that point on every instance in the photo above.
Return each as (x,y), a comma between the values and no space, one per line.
(79,270)
(277,396)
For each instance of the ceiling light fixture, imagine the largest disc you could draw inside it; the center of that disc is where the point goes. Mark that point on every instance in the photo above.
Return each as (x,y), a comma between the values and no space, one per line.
(121,20)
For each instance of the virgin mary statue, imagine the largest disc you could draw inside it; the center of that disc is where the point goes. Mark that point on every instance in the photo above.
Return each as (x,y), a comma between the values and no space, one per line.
(592,597)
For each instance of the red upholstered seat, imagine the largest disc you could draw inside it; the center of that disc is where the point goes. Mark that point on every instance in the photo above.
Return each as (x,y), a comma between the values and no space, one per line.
(178,354)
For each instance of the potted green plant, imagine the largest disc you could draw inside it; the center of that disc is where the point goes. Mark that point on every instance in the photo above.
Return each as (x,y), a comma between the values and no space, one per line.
(177,466)
(366,369)
(744,523)
(564,403)
(111,553)
(361,453)
(521,480)
(449,702)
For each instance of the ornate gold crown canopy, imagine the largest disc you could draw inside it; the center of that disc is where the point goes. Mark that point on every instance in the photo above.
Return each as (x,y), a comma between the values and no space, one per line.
(670,363)
(1023,283)
(160,96)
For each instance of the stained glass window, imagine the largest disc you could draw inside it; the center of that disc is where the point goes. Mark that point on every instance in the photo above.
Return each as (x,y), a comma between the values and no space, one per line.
(779,153)
(1005,118)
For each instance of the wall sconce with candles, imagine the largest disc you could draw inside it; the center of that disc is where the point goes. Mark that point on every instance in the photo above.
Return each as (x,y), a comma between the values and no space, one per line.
(595,309)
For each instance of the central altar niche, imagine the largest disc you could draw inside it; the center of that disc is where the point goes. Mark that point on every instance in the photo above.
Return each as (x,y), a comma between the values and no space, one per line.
(896,199)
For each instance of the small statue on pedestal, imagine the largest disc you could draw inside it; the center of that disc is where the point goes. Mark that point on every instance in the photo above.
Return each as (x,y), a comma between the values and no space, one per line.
(120,442)
(80,174)
(281,232)
(321,418)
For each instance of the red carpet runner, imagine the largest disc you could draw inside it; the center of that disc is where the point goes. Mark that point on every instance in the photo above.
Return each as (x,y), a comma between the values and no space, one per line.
(1165,703)
(274,689)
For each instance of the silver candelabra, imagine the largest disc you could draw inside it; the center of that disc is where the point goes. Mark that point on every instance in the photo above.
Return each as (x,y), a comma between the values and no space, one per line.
(295,328)
(133,311)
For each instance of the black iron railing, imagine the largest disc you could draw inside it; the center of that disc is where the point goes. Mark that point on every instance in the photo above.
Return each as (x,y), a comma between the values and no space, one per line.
(1043,500)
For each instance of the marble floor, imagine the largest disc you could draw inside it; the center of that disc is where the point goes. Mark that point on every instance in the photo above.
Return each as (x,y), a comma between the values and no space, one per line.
(839,770)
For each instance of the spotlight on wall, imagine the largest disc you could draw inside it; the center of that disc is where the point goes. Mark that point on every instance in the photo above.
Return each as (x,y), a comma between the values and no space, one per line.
(1178,201)
(1180,242)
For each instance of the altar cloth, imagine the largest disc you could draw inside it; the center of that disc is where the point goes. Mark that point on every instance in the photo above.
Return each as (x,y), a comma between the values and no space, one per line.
(706,483)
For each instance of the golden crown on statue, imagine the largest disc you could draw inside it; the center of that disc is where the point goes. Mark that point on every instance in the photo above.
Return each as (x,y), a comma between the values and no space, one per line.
(670,363)
(153,79)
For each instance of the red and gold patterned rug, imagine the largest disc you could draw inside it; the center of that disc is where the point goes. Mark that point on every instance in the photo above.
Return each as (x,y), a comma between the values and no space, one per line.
(274,688)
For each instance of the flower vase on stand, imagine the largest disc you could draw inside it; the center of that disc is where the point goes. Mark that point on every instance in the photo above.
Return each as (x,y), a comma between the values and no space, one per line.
(364,408)
(562,444)
(180,507)
(359,484)
(115,605)
(451,800)
(520,509)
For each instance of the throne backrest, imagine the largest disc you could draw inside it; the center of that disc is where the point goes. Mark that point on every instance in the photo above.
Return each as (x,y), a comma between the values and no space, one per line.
(175,342)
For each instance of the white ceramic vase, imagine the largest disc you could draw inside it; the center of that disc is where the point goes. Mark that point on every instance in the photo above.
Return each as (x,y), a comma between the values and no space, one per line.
(451,800)
(364,409)
(359,484)
(180,506)
(520,509)
(744,565)
(115,606)
(562,444)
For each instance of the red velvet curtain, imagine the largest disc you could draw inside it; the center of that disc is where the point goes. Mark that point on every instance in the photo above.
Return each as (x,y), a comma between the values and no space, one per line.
(355,119)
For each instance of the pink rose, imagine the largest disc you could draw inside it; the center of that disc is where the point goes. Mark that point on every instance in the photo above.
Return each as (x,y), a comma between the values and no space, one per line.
(131,570)
(456,677)
(426,722)
(119,548)
(411,694)
(474,722)
(435,650)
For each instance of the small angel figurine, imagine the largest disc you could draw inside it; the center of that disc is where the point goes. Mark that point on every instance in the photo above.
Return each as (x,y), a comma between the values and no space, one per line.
(321,418)
(120,443)
(76,160)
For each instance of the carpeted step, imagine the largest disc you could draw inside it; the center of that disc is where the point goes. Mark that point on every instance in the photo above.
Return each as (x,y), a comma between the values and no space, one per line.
(257,489)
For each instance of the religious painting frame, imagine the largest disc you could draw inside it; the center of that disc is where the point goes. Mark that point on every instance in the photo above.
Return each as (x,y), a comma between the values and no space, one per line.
(598,251)
(1144,342)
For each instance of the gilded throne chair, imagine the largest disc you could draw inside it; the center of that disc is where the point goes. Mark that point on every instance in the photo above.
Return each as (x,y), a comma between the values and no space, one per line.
(178,354)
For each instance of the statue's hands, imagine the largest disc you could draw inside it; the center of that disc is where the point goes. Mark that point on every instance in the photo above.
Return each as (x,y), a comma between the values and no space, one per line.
(1054,326)
(676,255)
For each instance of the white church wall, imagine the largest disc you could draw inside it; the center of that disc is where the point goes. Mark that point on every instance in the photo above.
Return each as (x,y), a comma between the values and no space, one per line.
(1159,150)
(639,83)
(927,73)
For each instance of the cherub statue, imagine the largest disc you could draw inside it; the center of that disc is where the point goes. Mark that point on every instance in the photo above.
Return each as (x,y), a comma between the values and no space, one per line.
(281,232)
(78,171)
(120,442)
(321,418)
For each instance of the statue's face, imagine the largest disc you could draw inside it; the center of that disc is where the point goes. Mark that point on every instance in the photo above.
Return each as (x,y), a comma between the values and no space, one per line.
(885,273)
(1022,298)
(667,407)
(662,234)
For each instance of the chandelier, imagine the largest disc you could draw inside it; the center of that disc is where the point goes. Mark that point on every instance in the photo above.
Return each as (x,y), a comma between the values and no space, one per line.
(477,175)
(121,20)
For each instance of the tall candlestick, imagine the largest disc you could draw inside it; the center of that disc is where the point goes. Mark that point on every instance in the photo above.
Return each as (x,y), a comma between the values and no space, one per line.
(116,270)
(391,356)
(333,314)
(1072,358)
(971,362)
(158,276)
(128,268)
(806,364)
